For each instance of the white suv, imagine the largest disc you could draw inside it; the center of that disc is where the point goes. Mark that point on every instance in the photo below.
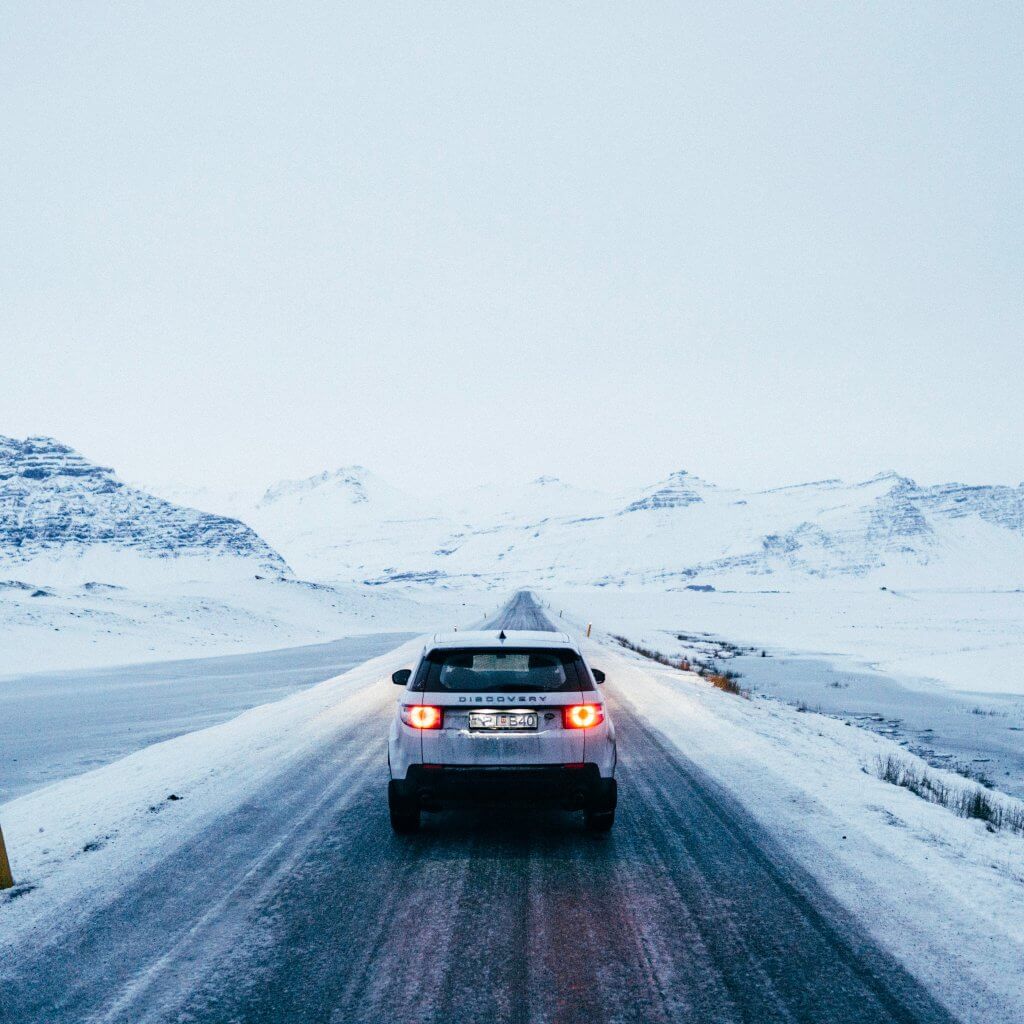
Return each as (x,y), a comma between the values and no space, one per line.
(499,716)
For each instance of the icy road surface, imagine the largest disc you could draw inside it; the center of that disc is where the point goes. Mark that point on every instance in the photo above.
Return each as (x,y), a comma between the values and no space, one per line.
(56,724)
(302,906)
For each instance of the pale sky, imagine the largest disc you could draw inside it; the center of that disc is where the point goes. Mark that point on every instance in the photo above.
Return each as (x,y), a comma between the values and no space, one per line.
(467,242)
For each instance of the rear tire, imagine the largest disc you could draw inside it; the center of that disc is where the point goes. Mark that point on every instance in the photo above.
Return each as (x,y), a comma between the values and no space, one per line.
(600,815)
(404,810)
(598,821)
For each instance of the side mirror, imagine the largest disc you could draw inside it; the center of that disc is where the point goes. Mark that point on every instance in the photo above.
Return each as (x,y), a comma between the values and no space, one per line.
(401,677)
(598,675)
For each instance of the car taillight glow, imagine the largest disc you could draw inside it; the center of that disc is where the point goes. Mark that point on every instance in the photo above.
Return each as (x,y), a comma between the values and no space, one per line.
(582,716)
(422,716)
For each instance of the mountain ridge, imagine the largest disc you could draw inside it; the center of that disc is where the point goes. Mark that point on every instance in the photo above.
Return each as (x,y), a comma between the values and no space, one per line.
(57,505)
(683,527)
(348,524)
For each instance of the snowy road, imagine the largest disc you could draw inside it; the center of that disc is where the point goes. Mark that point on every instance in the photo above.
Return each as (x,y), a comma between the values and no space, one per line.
(301,906)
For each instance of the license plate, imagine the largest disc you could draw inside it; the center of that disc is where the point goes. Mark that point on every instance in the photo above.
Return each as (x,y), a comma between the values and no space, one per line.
(492,721)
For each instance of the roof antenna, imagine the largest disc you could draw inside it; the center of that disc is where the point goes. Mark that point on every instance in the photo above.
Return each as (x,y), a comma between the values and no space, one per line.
(501,635)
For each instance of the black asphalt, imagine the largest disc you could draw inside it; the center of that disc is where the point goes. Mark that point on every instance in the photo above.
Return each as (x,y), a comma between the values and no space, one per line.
(522,612)
(302,906)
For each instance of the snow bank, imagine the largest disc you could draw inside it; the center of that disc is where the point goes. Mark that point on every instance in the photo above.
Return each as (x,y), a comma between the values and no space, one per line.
(123,814)
(943,894)
(50,627)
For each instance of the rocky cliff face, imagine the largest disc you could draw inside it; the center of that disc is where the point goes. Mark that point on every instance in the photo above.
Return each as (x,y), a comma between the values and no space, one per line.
(678,491)
(1001,506)
(53,502)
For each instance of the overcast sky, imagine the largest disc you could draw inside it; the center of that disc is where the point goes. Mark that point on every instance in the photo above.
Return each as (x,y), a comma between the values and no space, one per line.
(459,242)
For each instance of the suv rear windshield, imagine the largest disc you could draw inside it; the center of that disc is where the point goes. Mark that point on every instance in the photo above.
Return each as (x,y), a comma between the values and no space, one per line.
(502,670)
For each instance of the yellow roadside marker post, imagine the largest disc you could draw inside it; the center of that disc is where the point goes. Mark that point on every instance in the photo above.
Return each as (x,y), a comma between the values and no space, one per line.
(6,878)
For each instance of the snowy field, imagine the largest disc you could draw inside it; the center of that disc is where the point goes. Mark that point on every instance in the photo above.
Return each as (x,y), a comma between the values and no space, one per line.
(979,734)
(966,640)
(77,626)
(57,724)
(946,895)
(92,671)
(941,670)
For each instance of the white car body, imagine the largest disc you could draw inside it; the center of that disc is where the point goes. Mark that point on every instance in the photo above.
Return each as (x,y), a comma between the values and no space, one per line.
(473,753)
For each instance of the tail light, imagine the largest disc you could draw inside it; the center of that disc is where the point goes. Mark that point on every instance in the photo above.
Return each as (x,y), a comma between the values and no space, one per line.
(582,716)
(422,716)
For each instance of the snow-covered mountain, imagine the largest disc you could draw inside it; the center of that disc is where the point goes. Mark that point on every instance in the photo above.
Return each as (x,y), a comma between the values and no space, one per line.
(344,524)
(94,571)
(349,525)
(678,491)
(681,531)
(65,519)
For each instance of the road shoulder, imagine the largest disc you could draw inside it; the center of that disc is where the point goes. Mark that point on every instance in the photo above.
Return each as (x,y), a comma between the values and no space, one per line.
(943,894)
(79,843)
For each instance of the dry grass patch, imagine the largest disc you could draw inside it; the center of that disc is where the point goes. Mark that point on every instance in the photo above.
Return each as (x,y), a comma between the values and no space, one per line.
(726,681)
(965,801)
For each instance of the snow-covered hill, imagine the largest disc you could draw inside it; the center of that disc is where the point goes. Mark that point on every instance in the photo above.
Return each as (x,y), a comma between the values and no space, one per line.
(54,626)
(679,532)
(345,524)
(541,498)
(65,522)
(63,518)
(94,571)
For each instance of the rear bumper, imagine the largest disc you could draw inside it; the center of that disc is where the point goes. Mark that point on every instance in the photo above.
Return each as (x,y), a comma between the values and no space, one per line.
(573,786)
